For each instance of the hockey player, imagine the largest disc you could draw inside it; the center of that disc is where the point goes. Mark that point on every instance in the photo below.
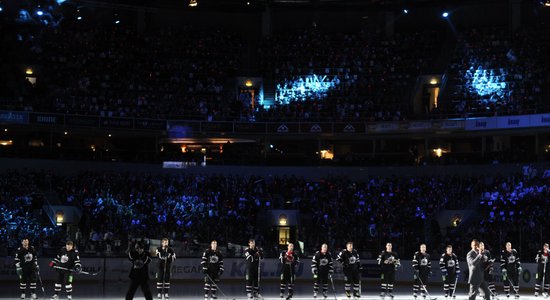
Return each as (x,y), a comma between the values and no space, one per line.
(541,282)
(422,268)
(389,262)
(511,269)
(321,267)
(166,256)
(139,275)
(289,259)
(450,269)
(212,268)
(488,272)
(349,258)
(253,256)
(66,262)
(26,264)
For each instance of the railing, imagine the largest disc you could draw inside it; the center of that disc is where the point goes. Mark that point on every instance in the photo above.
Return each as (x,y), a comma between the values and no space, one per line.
(429,123)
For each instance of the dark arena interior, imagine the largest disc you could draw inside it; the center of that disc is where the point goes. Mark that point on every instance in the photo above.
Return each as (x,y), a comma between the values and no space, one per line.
(274,149)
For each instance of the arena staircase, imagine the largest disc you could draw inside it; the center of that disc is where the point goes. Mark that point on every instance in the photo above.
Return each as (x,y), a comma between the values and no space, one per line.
(58,213)
(269,92)
(439,70)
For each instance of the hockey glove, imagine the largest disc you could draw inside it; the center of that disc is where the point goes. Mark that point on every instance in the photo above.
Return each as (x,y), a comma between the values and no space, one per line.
(78,268)
(519,270)
(314,275)
(204,270)
(220,272)
(444,277)
(19,271)
(415,276)
(51,264)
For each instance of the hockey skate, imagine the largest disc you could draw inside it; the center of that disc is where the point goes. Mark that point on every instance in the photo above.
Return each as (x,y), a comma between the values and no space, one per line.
(159,296)
(325,295)
(33,296)
(348,294)
(166,297)
(23,296)
(55,297)
(69,297)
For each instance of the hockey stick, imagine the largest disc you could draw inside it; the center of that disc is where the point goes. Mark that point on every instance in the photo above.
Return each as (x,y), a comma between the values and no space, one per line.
(291,282)
(454,287)
(423,286)
(81,272)
(41,283)
(512,284)
(216,286)
(332,283)
(163,290)
(259,275)
(544,277)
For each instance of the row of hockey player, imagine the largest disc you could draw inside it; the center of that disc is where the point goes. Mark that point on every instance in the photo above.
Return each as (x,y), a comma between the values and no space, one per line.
(67,263)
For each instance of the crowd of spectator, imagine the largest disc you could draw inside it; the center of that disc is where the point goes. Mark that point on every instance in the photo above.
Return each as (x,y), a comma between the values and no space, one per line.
(21,210)
(372,76)
(114,71)
(191,209)
(494,72)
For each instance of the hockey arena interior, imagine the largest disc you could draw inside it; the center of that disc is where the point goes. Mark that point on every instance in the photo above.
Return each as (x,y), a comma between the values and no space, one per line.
(274,149)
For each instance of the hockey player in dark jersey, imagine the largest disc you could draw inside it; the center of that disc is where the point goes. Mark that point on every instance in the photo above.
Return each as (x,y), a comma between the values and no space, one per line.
(289,259)
(26,265)
(212,268)
(450,269)
(489,269)
(66,262)
(349,258)
(139,275)
(166,256)
(422,266)
(542,279)
(389,262)
(321,267)
(510,267)
(253,257)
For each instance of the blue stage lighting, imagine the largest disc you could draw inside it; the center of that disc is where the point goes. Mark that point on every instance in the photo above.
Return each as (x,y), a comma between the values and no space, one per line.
(39,13)
(489,82)
(445,14)
(79,18)
(305,88)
